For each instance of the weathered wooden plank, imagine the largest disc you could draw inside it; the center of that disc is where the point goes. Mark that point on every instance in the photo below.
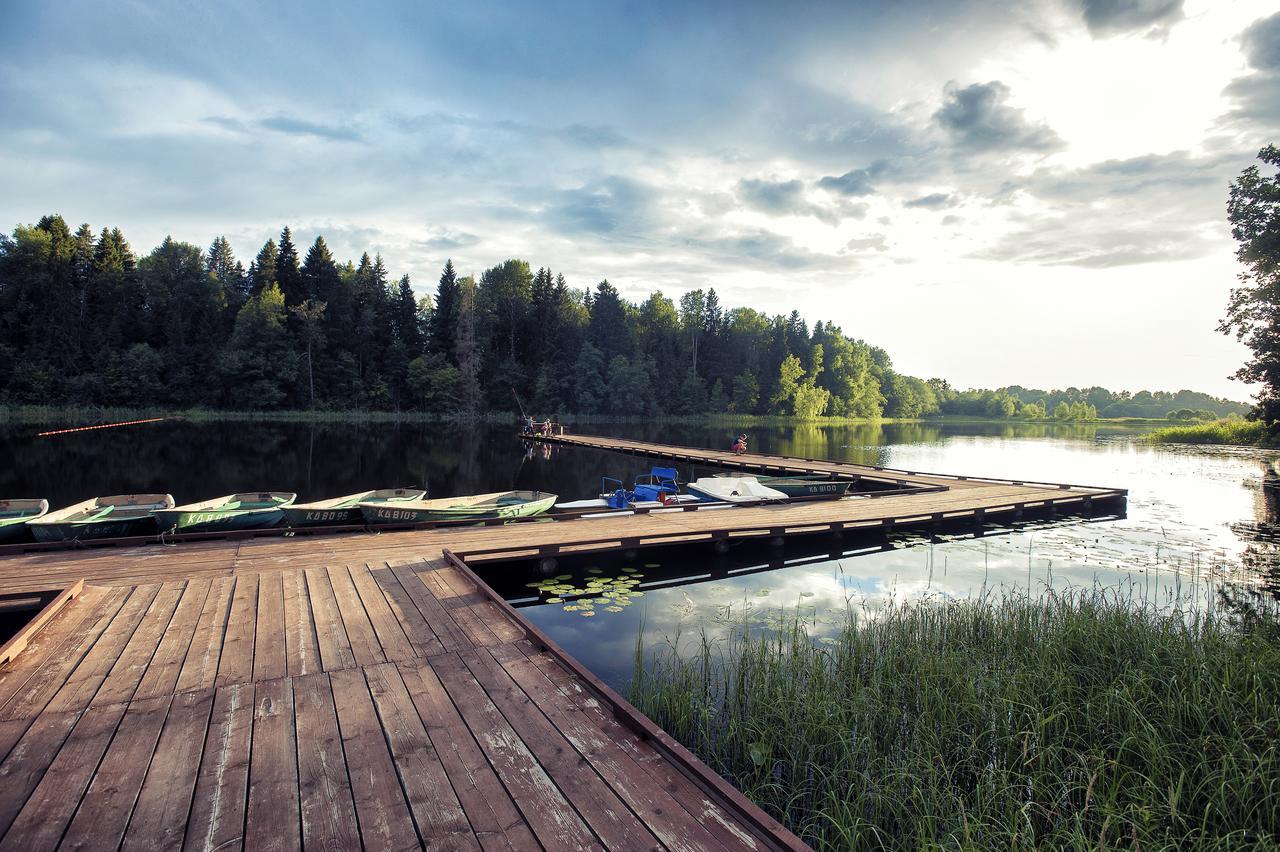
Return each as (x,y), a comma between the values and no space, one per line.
(328,811)
(269,641)
(18,642)
(236,663)
(273,821)
(123,679)
(600,806)
(424,640)
(42,741)
(693,798)
(218,804)
(391,634)
(436,809)
(334,646)
(364,642)
(302,651)
(162,674)
(543,804)
(62,778)
(160,814)
(200,667)
(88,676)
(44,646)
(104,812)
(451,636)
(32,692)
(385,821)
(492,812)
(661,811)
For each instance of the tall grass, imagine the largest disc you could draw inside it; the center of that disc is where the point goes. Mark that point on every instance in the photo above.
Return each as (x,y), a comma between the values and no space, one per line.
(1249,433)
(1078,721)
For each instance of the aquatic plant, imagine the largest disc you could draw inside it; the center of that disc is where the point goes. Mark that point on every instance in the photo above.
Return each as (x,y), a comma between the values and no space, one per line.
(1248,433)
(1077,720)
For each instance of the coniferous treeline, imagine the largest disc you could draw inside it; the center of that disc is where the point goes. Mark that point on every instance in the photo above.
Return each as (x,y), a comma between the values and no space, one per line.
(85,322)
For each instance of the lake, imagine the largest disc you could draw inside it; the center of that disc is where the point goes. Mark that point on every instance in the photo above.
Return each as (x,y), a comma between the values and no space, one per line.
(1199,519)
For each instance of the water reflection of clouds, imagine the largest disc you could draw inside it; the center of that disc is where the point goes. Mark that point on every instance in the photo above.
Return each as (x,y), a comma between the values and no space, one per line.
(1180,538)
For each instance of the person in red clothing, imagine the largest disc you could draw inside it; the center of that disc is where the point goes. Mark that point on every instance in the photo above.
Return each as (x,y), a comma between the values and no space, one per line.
(740,444)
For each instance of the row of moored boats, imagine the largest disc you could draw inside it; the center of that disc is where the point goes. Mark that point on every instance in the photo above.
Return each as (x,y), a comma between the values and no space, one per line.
(128,515)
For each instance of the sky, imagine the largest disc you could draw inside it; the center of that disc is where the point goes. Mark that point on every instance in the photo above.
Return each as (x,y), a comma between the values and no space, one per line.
(996,193)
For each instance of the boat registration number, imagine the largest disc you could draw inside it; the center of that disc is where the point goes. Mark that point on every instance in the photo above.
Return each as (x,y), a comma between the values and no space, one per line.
(325,516)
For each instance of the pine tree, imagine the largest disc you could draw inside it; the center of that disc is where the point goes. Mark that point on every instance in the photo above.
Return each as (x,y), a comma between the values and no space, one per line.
(444,319)
(262,272)
(222,266)
(288,273)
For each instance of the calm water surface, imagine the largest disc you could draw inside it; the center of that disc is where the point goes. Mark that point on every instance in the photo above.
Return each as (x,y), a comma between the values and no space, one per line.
(1198,519)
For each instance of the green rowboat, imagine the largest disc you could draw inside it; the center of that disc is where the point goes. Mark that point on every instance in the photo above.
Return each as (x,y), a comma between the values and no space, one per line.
(342,511)
(14,515)
(248,511)
(501,504)
(120,516)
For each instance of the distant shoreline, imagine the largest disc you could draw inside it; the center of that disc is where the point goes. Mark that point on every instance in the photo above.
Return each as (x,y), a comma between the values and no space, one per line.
(74,415)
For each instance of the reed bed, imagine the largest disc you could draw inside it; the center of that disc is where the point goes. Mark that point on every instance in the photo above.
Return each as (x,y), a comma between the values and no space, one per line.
(1246,433)
(1080,720)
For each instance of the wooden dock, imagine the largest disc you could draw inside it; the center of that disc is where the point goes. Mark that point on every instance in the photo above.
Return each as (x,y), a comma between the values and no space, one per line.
(369,690)
(383,706)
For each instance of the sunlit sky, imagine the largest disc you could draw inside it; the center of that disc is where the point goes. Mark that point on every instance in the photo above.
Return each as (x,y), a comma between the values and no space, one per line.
(996,193)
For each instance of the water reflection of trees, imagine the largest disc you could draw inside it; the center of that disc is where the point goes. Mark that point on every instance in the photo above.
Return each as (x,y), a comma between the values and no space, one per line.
(1255,603)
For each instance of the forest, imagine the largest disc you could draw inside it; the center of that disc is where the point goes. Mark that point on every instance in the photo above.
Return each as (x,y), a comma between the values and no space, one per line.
(86,322)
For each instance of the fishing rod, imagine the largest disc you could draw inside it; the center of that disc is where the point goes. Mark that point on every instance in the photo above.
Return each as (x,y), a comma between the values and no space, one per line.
(519,404)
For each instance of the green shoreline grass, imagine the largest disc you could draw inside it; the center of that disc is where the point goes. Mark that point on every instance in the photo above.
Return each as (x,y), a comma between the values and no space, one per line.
(1078,721)
(1245,433)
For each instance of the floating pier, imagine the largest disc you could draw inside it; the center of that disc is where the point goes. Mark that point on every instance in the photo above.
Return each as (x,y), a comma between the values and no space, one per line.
(370,690)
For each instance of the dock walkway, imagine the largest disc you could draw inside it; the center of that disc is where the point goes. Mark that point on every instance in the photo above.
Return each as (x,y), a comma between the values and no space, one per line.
(368,689)
(383,706)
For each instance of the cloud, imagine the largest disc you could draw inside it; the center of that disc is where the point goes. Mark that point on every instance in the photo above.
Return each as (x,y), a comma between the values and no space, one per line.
(1058,242)
(856,182)
(789,198)
(1147,209)
(443,239)
(871,242)
(614,206)
(1113,17)
(978,117)
(1256,96)
(595,136)
(758,246)
(933,201)
(301,127)
(1261,43)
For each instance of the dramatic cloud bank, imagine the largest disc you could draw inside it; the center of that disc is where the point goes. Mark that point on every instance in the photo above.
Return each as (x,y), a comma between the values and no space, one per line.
(948,180)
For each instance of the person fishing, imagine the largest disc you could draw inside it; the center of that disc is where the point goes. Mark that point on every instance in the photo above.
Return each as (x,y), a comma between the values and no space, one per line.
(740,444)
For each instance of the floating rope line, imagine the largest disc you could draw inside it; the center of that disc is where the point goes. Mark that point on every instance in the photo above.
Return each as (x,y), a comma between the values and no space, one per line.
(100,426)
